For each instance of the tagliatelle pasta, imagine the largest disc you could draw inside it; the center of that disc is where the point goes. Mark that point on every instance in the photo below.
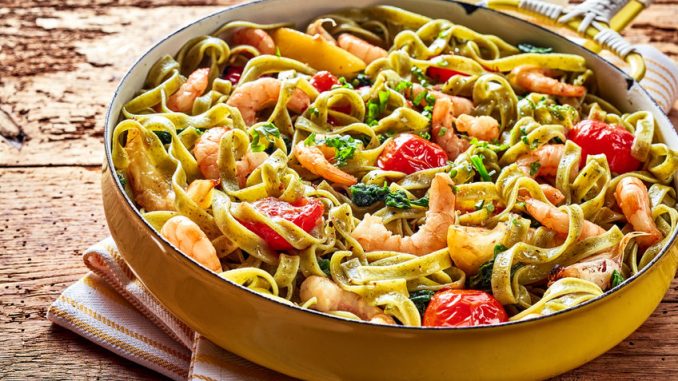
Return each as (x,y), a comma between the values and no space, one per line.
(392,168)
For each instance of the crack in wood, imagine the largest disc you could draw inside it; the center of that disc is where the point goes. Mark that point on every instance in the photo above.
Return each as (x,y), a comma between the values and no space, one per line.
(10,132)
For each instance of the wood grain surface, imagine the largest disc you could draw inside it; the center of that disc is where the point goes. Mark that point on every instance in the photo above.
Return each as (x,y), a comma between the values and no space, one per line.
(59,64)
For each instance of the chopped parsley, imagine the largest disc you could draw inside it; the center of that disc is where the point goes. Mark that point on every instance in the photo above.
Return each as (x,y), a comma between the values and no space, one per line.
(425,134)
(534,168)
(277,52)
(402,86)
(617,278)
(477,162)
(344,146)
(420,76)
(442,131)
(264,132)
(529,48)
(314,111)
(375,107)
(345,84)
(421,299)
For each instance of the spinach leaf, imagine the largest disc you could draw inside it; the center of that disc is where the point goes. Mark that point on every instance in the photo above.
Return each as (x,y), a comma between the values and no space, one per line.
(529,48)
(361,80)
(398,199)
(367,194)
(165,137)
(421,299)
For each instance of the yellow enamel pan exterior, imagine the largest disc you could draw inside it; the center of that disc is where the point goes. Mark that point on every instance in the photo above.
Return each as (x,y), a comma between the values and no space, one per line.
(309,345)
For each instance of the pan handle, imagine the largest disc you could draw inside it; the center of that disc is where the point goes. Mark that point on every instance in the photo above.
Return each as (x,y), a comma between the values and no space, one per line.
(599,21)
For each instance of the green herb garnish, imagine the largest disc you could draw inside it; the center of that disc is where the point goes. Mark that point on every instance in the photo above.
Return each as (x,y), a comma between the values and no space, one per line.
(265,132)
(617,278)
(421,299)
(534,168)
(324,265)
(344,147)
(367,194)
(361,80)
(529,48)
(477,162)
(164,136)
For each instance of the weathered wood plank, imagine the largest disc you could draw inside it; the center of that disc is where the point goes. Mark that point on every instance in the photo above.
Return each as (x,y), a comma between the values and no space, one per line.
(52,214)
(62,62)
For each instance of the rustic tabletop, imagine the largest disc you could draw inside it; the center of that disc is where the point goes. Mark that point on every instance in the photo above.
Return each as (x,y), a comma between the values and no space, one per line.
(60,62)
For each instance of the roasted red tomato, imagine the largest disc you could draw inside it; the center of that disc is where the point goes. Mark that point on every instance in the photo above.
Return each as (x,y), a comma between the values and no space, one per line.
(596,137)
(463,308)
(233,74)
(439,74)
(304,213)
(323,81)
(411,153)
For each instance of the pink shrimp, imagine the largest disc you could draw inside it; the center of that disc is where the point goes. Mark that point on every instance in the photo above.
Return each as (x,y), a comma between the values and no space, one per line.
(537,79)
(316,160)
(206,152)
(442,128)
(252,97)
(598,271)
(257,38)
(559,221)
(360,48)
(481,127)
(182,100)
(634,201)
(187,236)
(548,156)
(431,236)
(332,298)
(317,30)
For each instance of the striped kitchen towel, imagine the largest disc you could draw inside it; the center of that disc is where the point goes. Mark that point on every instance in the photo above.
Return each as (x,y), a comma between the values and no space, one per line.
(111,308)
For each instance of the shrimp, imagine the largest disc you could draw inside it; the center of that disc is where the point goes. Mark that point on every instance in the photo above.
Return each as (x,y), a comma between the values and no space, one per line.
(470,246)
(559,221)
(553,194)
(481,127)
(548,156)
(442,129)
(247,164)
(200,191)
(317,30)
(316,160)
(332,298)
(360,48)
(206,152)
(598,271)
(182,100)
(190,240)
(539,80)
(257,38)
(252,97)
(634,201)
(432,235)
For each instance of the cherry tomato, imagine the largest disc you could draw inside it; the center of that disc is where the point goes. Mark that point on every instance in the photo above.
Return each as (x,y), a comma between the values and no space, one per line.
(596,137)
(439,74)
(304,213)
(410,153)
(233,74)
(463,308)
(323,81)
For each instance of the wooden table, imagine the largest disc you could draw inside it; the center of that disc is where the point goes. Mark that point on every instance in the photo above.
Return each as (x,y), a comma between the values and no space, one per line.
(59,64)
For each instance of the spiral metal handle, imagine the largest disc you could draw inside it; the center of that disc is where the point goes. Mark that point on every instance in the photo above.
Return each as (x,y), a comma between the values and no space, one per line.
(599,21)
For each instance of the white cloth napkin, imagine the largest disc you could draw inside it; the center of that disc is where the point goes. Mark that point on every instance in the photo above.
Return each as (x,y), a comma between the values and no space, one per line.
(111,308)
